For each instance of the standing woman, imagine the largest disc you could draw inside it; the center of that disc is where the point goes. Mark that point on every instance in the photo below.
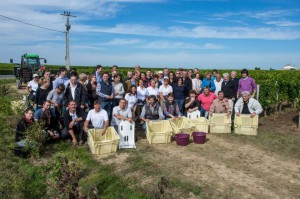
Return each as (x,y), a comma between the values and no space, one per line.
(197,83)
(118,90)
(179,90)
(32,86)
(141,96)
(91,91)
(131,99)
(164,90)
(145,80)
(208,82)
(172,79)
(42,93)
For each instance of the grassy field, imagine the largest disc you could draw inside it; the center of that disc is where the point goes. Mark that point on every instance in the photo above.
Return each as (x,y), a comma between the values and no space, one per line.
(226,166)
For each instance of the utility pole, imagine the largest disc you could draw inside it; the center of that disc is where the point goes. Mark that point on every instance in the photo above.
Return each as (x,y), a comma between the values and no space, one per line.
(68,27)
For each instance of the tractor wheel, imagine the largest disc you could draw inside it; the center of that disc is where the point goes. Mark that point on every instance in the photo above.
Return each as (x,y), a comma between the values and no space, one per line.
(19,84)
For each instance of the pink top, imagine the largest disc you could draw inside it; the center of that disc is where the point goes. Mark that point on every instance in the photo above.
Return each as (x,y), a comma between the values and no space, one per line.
(206,101)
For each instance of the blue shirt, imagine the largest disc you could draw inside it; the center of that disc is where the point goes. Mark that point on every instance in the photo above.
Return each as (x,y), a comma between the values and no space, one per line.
(60,80)
(98,77)
(210,83)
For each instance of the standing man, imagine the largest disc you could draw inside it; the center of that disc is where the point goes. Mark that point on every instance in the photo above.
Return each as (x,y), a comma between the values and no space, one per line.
(187,82)
(98,73)
(229,89)
(62,79)
(236,83)
(131,82)
(105,93)
(166,72)
(246,84)
(98,118)
(75,92)
(218,83)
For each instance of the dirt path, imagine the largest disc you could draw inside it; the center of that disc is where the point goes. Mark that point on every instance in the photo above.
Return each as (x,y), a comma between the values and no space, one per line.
(224,169)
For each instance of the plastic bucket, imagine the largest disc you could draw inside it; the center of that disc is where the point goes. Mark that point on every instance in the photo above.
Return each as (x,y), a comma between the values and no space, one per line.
(199,137)
(182,139)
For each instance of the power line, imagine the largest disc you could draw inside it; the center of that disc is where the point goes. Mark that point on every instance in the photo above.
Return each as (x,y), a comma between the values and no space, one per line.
(32,24)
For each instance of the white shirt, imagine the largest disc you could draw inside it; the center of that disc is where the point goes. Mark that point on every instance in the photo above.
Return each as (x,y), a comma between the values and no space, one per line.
(152,91)
(196,84)
(118,111)
(74,116)
(131,100)
(33,85)
(97,118)
(218,86)
(141,93)
(73,90)
(165,91)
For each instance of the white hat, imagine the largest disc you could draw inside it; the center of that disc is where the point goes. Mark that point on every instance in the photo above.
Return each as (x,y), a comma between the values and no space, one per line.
(160,72)
(35,75)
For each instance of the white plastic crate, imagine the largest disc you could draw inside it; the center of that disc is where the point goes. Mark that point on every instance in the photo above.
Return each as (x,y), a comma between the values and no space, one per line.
(201,124)
(126,133)
(159,132)
(246,125)
(101,144)
(220,123)
(193,115)
(182,125)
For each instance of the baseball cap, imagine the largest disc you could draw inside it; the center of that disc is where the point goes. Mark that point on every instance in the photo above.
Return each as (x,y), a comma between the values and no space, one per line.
(160,72)
(35,75)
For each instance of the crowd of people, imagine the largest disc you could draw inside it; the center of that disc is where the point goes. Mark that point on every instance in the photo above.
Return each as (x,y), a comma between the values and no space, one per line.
(70,104)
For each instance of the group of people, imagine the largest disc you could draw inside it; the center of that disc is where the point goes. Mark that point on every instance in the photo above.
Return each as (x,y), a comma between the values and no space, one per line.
(68,106)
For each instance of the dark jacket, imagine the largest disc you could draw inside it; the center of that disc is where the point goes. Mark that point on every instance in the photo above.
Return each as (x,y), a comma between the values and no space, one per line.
(229,89)
(41,95)
(21,128)
(80,95)
(68,117)
(188,84)
(91,94)
(236,83)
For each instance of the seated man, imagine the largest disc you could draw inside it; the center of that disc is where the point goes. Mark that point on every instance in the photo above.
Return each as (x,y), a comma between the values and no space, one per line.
(151,111)
(220,105)
(48,121)
(191,103)
(121,112)
(98,118)
(171,108)
(73,118)
(247,105)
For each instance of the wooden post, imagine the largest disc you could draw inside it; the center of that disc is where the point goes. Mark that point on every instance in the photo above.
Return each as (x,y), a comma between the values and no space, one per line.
(257,92)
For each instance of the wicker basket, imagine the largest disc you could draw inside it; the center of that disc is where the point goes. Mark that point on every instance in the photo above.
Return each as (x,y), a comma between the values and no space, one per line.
(246,125)
(107,143)
(182,125)
(220,123)
(159,132)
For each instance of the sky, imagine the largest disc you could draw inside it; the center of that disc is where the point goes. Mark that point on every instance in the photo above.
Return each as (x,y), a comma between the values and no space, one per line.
(221,34)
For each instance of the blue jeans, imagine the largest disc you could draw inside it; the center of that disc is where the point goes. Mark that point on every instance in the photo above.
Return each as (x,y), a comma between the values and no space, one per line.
(106,105)
(180,103)
(202,112)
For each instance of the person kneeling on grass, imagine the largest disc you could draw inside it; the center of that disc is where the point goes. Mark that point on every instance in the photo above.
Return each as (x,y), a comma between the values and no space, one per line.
(120,113)
(98,118)
(73,118)
(48,121)
(220,105)
(171,108)
(24,124)
(151,111)
(247,105)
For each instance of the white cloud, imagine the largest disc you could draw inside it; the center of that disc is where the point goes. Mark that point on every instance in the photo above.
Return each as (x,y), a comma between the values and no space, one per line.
(119,41)
(283,23)
(179,45)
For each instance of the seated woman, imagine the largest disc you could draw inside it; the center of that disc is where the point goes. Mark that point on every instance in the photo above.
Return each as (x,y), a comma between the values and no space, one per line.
(151,111)
(171,108)
(25,123)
